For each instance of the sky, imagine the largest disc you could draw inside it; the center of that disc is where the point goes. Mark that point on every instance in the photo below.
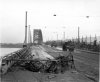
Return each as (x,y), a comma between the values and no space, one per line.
(70,14)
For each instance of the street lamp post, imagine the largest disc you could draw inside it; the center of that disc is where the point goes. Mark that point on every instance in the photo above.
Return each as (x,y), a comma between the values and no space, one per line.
(56,35)
(64,33)
(78,35)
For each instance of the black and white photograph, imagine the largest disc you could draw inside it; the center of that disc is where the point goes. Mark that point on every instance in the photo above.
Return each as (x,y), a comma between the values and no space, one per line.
(49,40)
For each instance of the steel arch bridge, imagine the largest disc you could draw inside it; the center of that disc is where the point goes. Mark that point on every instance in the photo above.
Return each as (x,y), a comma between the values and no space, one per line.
(37,37)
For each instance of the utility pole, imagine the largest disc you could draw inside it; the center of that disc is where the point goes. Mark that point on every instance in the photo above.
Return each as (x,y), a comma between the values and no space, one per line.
(86,39)
(90,39)
(64,33)
(78,35)
(64,36)
(95,37)
(72,39)
(57,36)
(76,40)
(95,41)
(82,39)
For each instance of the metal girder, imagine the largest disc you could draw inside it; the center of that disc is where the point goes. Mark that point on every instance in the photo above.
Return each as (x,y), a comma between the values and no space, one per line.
(37,36)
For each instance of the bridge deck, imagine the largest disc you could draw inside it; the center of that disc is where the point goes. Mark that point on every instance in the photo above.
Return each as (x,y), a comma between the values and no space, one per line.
(21,75)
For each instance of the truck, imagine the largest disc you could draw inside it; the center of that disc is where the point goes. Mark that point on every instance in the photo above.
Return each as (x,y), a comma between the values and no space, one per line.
(68,46)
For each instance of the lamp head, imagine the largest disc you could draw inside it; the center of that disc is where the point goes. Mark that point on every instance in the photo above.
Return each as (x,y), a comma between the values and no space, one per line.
(54,15)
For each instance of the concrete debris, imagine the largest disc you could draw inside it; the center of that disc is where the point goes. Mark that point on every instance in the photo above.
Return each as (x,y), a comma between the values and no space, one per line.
(59,64)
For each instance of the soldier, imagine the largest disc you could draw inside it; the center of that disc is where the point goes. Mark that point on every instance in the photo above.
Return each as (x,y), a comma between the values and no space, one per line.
(71,61)
(64,46)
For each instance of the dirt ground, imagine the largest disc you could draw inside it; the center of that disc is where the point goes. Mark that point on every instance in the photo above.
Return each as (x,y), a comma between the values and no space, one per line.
(20,75)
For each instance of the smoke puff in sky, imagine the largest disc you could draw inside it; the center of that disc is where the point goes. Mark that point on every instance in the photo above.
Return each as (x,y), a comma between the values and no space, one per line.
(70,14)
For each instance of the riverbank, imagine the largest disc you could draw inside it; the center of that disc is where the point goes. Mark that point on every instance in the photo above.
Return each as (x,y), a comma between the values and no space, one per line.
(11,45)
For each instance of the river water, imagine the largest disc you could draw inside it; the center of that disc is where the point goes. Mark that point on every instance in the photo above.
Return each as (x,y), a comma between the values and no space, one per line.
(5,51)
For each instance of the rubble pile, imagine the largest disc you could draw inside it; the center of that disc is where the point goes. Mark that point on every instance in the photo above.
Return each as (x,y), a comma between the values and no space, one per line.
(37,62)
(59,64)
